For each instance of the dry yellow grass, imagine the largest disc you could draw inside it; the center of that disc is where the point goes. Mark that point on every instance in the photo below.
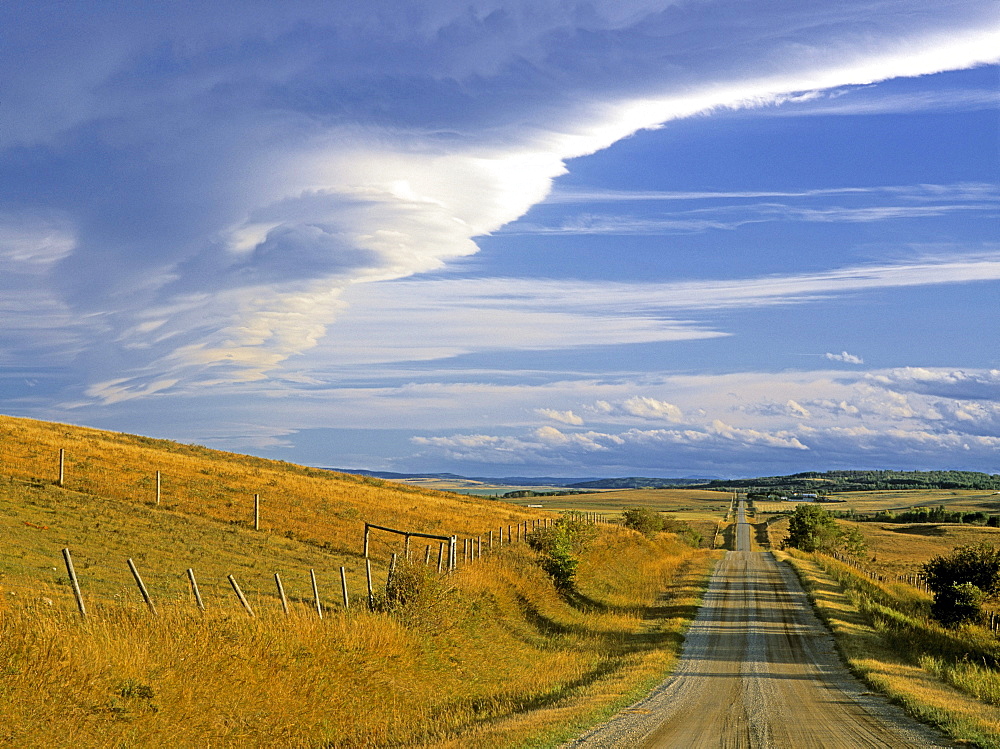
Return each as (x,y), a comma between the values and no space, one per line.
(882,631)
(489,656)
(903,548)
(311,504)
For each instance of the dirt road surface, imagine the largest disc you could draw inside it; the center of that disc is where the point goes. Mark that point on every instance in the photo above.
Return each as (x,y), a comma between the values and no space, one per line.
(759,670)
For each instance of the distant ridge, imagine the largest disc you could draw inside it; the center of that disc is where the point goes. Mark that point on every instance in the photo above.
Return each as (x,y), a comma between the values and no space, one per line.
(637,482)
(501,481)
(563,481)
(824,482)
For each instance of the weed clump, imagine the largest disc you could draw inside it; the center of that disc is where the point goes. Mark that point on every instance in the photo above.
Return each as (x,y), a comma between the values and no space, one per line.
(417,596)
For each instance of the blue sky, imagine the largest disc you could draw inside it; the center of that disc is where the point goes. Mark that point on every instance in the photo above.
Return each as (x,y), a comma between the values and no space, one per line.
(509,238)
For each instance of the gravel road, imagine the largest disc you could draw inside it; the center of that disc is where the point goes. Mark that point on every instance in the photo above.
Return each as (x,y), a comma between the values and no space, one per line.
(759,670)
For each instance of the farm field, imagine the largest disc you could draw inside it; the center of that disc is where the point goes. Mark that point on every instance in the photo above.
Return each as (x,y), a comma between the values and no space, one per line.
(901,548)
(491,655)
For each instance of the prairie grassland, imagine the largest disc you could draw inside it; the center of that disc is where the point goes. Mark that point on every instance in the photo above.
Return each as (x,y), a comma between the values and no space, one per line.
(902,548)
(947,678)
(699,508)
(898,549)
(966,500)
(490,656)
(316,506)
(665,500)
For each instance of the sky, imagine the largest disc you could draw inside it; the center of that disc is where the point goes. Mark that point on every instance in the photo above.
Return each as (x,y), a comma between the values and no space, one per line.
(509,237)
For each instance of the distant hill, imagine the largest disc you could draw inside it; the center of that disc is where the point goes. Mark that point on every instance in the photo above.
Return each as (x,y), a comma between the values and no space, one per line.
(634,482)
(821,482)
(500,481)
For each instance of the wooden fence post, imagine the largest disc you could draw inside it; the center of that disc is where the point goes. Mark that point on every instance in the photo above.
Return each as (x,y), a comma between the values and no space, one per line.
(427,555)
(194,590)
(392,571)
(440,557)
(315,587)
(240,596)
(453,553)
(371,592)
(62,465)
(256,512)
(343,587)
(491,539)
(367,531)
(157,488)
(74,582)
(406,547)
(142,586)
(281,593)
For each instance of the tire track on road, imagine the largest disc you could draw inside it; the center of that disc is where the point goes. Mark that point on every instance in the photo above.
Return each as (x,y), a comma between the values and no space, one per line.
(759,670)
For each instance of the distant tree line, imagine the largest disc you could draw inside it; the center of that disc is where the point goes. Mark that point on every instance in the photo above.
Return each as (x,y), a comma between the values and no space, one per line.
(936,514)
(846,481)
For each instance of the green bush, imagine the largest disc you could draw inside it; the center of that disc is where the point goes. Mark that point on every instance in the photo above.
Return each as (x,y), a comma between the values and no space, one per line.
(559,545)
(961,581)
(958,604)
(642,519)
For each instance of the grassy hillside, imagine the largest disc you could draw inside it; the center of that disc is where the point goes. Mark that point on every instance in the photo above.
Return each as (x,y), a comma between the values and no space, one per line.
(945,677)
(491,656)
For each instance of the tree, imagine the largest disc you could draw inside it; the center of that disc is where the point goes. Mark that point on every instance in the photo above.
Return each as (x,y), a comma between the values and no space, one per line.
(811,529)
(961,581)
(814,529)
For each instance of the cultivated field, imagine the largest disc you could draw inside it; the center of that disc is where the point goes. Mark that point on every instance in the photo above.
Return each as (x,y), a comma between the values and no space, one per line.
(901,548)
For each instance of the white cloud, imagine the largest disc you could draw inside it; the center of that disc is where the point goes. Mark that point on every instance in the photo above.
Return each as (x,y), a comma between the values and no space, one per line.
(435,319)
(651,408)
(280,153)
(845,357)
(564,417)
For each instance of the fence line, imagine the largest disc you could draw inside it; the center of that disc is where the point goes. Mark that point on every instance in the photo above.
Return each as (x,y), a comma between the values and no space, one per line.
(97,481)
(914,580)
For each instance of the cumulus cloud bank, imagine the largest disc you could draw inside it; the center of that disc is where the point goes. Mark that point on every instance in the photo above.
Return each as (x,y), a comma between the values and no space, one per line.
(188,192)
(739,422)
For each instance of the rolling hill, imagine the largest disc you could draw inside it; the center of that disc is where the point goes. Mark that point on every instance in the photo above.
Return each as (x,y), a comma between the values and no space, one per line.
(491,655)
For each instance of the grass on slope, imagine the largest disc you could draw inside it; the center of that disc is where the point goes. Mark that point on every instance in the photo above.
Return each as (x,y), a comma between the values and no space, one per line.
(947,678)
(316,506)
(489,656)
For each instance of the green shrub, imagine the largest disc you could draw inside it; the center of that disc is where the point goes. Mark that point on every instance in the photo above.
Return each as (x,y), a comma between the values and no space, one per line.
(961,581)
(642,519)
(958,604)
(814,529)
(559,544)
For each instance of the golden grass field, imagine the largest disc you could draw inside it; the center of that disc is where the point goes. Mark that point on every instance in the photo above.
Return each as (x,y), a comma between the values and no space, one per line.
(946,678)
(488,656)
(902,548)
